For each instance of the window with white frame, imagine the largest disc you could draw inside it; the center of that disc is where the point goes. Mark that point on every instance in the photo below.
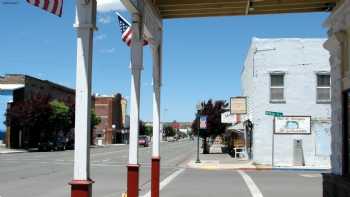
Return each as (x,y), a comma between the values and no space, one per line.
(323,89)
(277,88)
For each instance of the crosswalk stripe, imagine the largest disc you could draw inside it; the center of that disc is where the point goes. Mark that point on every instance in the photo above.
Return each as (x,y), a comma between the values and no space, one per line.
(253,188)
(166,181)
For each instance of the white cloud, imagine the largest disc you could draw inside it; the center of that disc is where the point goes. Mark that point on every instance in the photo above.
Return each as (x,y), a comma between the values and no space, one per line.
(100,36)
(109,5)
(104,19)
(111,50)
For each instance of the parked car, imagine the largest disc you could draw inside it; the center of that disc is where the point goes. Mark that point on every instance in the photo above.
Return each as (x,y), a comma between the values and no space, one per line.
(143,140)
(171,139)
(46,145)
(60,143)
(52,144)
(70,144)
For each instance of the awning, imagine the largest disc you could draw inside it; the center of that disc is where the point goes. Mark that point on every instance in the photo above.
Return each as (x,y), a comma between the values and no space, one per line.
(237,127)
(7,89)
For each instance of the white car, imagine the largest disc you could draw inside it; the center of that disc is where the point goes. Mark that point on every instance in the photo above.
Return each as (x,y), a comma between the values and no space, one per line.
(170,139)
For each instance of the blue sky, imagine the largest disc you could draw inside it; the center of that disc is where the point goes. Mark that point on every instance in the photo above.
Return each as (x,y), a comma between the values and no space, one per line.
(202,57)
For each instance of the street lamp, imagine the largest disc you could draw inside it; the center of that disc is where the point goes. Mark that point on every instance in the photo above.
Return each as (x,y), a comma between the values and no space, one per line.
(199,107)
(163,126)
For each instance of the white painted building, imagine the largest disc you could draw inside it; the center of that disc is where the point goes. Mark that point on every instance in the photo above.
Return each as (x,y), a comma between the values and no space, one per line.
(288,75)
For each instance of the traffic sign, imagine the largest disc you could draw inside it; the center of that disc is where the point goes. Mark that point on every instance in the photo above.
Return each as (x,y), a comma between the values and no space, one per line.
(272,113)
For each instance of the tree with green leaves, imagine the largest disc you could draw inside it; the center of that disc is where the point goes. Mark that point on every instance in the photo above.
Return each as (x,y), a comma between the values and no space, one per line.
(31,117)
(95,120)
(169,131)
(213,111)
(41,118)
(59,119)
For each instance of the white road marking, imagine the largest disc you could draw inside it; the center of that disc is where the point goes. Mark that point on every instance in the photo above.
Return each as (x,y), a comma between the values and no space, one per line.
(253,188)
(311,175)
(93,155)
(166,181)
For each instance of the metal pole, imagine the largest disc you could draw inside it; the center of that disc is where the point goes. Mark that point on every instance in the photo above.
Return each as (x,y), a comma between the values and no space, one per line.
(273,145)
(198,160)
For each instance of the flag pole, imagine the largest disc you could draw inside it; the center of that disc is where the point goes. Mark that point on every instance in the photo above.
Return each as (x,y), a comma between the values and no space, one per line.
(117,13)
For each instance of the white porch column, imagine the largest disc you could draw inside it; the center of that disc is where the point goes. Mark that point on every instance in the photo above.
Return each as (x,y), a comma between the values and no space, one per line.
(136,67)
(155,176)
(85,24)
(134,115)
(156,100)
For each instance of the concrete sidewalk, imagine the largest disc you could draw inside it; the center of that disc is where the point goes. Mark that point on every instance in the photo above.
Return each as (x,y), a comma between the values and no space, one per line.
(217,160)
(220,161)
(4,150)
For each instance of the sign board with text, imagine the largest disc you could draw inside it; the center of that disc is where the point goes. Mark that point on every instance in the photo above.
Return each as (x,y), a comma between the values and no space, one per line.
(203,122)
(229,118)
(272,113)
(292,125)
(238,105)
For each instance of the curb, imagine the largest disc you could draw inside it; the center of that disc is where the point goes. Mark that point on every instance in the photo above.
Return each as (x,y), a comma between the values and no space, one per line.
(12,152)
(251,167)
(283,169)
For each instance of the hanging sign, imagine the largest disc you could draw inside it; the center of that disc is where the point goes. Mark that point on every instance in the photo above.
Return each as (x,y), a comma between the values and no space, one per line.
(203,122)
(238,105)
(292,125)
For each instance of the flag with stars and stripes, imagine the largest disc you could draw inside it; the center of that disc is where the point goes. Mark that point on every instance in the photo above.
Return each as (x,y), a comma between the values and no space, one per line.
(126,30)
(52,6)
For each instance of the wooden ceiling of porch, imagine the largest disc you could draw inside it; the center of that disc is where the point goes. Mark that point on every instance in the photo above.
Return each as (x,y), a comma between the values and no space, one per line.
(204,8)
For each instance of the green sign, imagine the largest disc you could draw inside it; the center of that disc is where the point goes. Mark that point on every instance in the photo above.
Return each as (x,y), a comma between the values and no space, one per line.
(272,113)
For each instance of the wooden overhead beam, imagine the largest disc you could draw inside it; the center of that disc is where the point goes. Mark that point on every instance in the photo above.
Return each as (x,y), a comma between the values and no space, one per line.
(189,9)
(235,4)
(169,3)
(241,12)
(244,7)
(151,18)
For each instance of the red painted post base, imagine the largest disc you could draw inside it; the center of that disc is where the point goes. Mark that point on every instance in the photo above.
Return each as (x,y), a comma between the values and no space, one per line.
(155,177)
(133,180)
(81,188)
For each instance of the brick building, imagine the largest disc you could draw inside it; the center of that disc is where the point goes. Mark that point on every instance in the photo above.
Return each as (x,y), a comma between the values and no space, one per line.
(111,110)
(18,88)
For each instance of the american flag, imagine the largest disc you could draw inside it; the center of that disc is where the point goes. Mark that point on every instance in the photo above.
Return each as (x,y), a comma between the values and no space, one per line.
(126,30)
(52,6)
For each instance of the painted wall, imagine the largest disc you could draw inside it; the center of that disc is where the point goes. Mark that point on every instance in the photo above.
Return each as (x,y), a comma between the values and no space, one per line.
(337,24)
(300,60)
(4,99)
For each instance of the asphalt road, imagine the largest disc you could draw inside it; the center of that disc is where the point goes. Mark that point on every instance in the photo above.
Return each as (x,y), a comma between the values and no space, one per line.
(228,183)
(46,174)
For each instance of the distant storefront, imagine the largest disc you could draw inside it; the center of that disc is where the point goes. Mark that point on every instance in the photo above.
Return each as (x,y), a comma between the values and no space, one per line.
(287,86)
(112,112)
(17,88)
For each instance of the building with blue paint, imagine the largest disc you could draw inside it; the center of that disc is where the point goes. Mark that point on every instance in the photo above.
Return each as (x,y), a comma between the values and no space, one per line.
(289,76)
